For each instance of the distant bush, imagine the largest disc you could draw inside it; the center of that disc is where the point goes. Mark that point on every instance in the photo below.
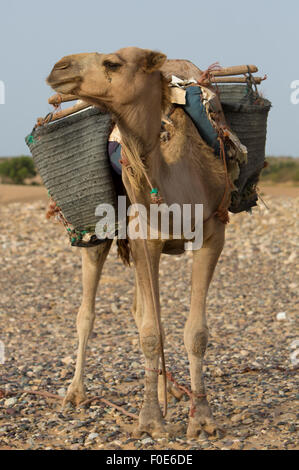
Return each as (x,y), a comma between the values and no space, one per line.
(281,170)
(17,169)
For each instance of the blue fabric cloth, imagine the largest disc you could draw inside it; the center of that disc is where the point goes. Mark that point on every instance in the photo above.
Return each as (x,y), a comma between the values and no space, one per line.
(197,112)
(114,152)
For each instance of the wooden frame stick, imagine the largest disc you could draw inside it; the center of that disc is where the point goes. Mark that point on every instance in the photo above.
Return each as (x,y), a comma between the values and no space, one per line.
(58,98)
(66,112)
(235,70)
(258,80)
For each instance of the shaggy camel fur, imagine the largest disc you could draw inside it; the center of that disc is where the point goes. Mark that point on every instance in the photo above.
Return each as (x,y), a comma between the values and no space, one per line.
(129,84)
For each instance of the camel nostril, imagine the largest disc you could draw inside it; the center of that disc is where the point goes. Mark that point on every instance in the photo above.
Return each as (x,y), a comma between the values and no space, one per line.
(61,65)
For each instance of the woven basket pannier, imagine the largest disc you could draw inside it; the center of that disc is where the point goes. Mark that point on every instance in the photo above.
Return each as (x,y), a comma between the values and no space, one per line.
(246,113)
(71,157)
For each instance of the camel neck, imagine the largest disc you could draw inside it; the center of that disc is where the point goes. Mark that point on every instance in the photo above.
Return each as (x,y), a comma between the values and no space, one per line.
(141,127)
(141,120)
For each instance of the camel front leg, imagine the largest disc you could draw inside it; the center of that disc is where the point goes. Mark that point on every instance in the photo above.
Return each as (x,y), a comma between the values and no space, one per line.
(93,260)
(137,311)
(137,308)
(196,329)
(150,418)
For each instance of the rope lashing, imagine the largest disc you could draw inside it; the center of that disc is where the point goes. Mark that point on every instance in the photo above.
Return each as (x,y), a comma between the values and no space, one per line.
(57,103)
(183,388)
(55,210)
(154,193)
(222,211)
(251,83)
(156,199)
(31,139)
(206,76)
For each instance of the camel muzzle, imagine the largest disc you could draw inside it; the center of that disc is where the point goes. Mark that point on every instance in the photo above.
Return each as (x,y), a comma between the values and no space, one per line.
(65,72)
(63,85)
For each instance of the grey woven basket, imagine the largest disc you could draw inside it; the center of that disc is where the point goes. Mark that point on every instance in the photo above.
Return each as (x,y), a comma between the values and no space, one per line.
(246,113)
(71,157)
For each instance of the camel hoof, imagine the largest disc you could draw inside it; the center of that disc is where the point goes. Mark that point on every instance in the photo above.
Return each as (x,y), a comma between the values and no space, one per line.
(205,427)
(154,430)
(151,423)
(74,396)
(203,422)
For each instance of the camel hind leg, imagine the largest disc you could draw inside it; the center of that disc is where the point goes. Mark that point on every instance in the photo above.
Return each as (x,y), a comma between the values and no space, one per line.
(93,260)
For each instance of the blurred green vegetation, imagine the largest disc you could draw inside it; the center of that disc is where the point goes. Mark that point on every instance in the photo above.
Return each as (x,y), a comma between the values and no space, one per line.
(20,170)
(17,170)
(281,170)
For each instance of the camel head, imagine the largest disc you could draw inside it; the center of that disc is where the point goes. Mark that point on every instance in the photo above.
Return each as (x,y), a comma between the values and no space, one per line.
(109,80)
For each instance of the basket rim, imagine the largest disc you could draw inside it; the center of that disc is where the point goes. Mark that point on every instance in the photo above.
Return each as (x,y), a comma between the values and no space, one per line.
(70,120)
(228,106)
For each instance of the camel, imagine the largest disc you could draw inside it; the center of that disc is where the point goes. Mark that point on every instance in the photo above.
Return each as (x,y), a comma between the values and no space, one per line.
(131,86)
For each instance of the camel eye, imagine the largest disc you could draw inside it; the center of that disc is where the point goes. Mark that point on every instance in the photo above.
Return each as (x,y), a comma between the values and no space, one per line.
(111,65)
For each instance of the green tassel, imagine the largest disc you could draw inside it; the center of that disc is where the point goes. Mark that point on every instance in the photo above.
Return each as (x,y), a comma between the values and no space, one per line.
(30,139)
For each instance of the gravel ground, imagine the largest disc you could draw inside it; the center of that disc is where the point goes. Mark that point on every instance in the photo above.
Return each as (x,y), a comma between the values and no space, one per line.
(251,361)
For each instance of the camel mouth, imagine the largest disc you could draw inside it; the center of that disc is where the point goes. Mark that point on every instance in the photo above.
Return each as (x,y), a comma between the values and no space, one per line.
(64,86)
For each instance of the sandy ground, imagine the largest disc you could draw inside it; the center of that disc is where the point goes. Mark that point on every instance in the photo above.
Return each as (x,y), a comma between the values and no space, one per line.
(278,190)
(16,193)
(251,363)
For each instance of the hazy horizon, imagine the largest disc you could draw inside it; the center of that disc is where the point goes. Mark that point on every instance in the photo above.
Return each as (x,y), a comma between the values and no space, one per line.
(29,155)
(35,35)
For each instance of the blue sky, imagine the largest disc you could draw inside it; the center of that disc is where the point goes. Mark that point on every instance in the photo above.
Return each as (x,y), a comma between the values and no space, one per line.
(35,34)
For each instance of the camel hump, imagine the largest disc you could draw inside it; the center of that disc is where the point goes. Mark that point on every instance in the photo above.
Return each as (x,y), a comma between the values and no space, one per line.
(183,69)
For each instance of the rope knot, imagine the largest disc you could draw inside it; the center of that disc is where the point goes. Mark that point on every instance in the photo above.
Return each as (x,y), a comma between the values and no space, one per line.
(156,199)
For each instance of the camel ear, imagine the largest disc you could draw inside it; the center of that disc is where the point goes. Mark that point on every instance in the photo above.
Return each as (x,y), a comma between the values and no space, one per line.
(153,61)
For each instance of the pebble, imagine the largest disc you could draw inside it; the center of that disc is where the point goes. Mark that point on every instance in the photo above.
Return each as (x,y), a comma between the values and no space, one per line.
(247,421)
(10,402)
(147,441)
(92,436)
(282,316)
(236,418)
(67,360)
(294,356)
(295,344)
